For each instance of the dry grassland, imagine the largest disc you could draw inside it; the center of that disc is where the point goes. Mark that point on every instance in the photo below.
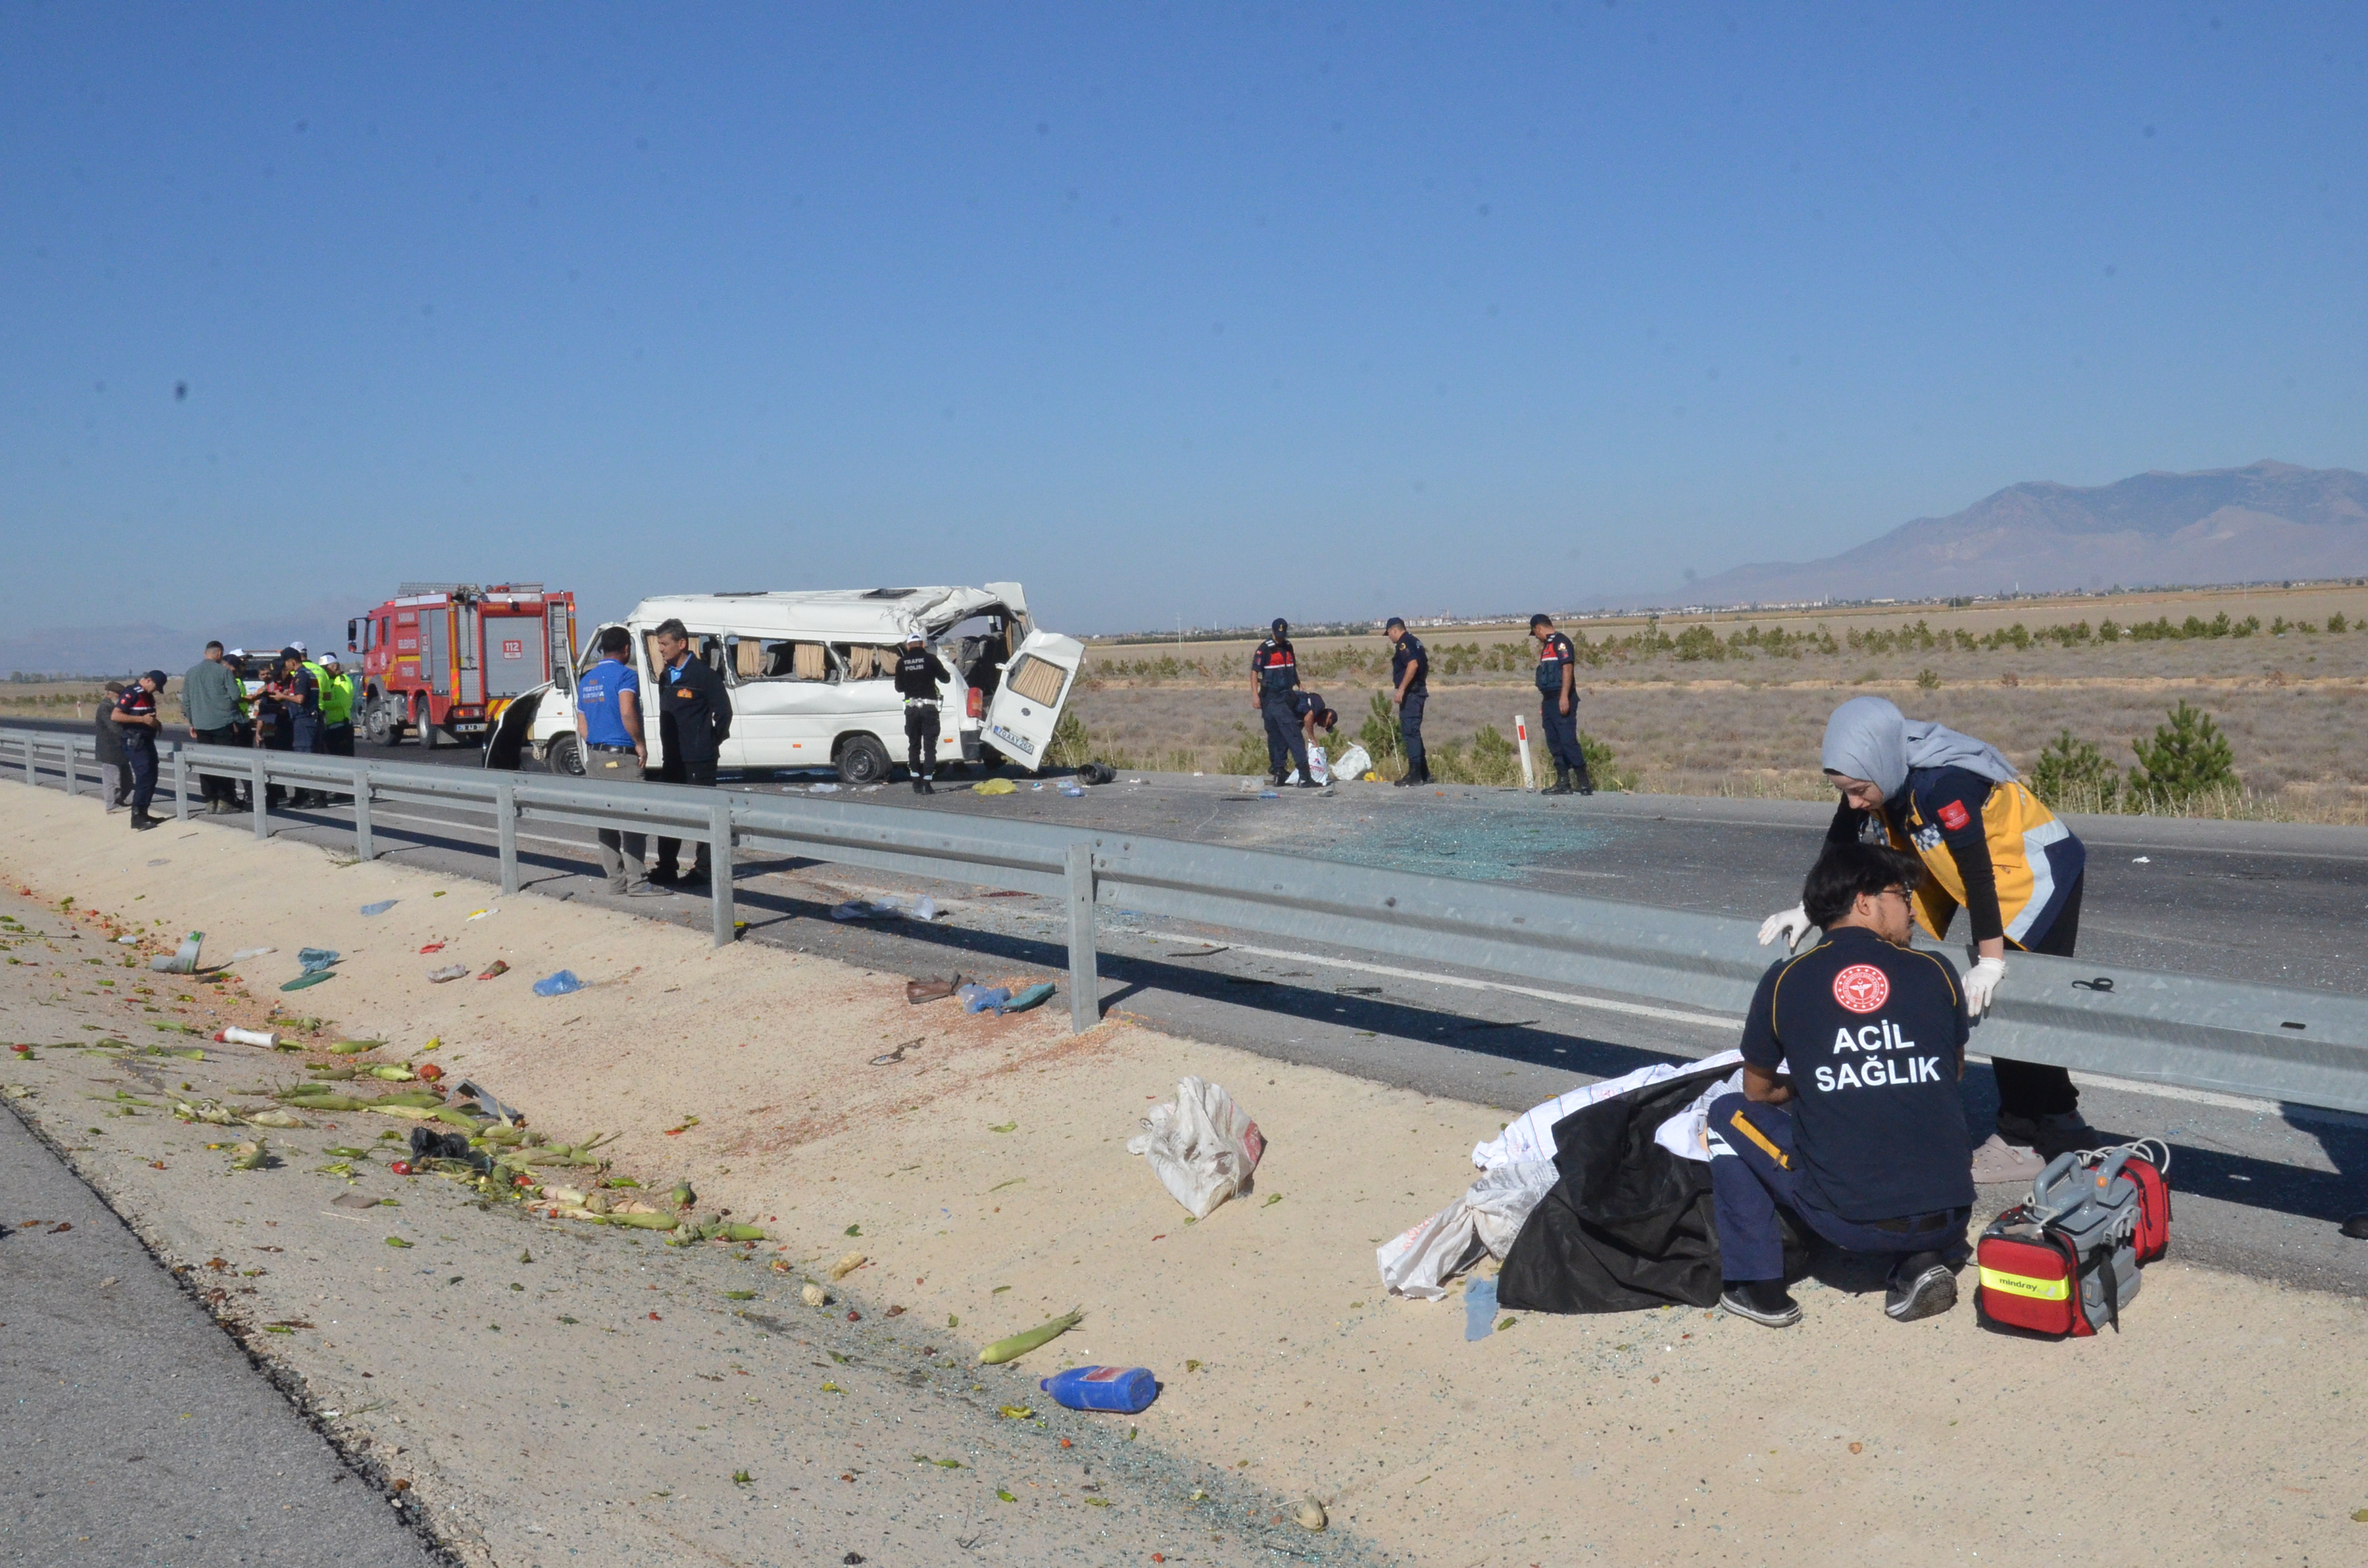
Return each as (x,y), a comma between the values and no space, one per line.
(1747,720)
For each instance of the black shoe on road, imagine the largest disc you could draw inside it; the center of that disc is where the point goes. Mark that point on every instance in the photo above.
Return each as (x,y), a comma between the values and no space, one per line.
(928,787)
(141,824)
(1761,1301)
(1561,785)
(2050,1135)
(1307,784)
(1922,1286)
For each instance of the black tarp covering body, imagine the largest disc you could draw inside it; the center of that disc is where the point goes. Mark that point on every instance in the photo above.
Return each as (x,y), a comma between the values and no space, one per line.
(1629,1225)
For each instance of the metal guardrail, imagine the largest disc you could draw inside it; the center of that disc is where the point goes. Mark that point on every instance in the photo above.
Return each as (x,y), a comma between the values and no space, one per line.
(2268,1042)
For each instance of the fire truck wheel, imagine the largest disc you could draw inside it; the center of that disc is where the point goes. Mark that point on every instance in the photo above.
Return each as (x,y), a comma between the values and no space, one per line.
(430,737)
(378,723)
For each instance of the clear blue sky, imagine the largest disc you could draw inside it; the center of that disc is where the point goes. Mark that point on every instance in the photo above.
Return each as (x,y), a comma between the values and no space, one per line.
(1181,312)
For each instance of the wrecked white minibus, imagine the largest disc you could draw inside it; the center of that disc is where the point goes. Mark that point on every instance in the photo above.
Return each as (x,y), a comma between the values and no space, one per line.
(809,675)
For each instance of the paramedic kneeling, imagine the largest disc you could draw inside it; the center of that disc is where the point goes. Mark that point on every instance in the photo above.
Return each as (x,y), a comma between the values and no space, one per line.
(1869,1150)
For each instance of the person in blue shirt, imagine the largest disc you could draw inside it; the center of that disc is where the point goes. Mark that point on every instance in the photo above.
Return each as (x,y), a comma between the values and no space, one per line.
(1410,683)
(608,723)
(1850,1115)
(1558,707)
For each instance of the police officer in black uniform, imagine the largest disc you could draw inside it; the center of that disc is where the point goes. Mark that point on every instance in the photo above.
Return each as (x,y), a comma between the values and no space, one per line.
(918,673)
(1274,677)
(1863,1137)
(1558,707)
(1410,679)
(135,718)
(694,720)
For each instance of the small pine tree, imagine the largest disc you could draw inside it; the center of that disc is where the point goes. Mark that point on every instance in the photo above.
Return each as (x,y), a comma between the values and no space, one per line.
(1380,735)
(2188,756)
(2072,775)
(1603,767)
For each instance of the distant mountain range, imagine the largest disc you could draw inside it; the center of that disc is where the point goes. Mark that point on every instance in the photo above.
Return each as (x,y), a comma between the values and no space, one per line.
(2266,522)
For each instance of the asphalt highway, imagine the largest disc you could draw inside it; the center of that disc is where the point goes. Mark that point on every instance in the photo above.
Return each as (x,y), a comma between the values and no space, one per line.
(138,1432)
(2261,1188)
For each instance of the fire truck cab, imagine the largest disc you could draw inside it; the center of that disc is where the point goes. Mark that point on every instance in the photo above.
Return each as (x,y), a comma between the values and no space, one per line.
(442,660)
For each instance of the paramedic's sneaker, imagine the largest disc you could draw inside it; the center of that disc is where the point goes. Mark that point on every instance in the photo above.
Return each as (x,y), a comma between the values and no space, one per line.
(1761,1301)
(1997,1161)
(2051,1135)
(1922,1286)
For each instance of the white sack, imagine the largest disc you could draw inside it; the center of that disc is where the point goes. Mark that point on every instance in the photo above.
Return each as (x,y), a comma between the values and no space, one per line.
(1352,763)
(1531,1137)
(1483,1220)
(1201,1144)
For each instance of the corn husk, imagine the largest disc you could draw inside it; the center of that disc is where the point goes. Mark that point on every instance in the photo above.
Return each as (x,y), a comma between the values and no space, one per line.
(846,1266)
(250,1156)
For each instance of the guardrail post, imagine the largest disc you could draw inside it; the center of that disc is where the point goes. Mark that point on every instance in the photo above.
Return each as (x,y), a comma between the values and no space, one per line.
(719,869)
(29,777)
(1085,979)
(505,830)
(261,788)
(181,783)
(73,772)
(364,849)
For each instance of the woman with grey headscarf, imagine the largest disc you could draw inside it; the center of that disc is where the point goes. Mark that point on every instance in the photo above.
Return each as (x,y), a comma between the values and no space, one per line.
(1987,845)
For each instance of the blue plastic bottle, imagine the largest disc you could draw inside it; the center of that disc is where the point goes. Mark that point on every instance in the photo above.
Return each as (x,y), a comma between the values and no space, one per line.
(1124,1388)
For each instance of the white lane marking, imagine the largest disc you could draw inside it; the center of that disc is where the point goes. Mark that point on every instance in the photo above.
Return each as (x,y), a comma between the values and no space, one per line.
(1635,1009)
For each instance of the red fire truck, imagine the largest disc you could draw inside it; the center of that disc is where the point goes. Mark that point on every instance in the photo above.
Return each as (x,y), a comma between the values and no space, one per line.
(443,659)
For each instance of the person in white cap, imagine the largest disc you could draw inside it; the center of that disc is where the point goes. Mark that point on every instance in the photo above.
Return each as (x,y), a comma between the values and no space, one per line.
(918,675)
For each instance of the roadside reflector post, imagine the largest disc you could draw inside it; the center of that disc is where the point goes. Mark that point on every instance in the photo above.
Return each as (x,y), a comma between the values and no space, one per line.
(364,849)
(181,783)
(1084,980)
(505,830)
(1522,732)
(260,787)
(719,869)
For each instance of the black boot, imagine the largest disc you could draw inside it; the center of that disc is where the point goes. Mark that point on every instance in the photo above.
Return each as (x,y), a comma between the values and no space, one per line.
(1561,783)
(920,787)
(928,787)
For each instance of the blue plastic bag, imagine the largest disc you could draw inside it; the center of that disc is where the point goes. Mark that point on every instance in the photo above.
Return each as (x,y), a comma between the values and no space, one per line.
(1480,1308)
(977,999)
(313,960)
(558,985)
(380,907)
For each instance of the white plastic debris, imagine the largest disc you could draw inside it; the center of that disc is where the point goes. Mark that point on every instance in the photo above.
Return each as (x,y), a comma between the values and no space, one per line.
(1202,1146)
(1482,1222)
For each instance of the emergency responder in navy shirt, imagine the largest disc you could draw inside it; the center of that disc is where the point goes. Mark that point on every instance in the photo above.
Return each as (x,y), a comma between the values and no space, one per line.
(1410,679)
(918,673)
(1861,1133)
(1274,675)
(1558,707)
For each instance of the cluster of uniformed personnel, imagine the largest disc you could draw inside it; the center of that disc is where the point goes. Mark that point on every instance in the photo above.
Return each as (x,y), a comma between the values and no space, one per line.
(1292,716)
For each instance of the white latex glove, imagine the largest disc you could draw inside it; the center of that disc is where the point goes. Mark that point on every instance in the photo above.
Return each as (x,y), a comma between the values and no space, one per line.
(1982,984)
(1792,924)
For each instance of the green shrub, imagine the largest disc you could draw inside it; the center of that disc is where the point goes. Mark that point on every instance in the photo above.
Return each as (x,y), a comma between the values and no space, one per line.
(1602,765)
(1379,734)
(1070,744)
(1248,755)
(1928,679)
(2072,775)
(2187,757)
